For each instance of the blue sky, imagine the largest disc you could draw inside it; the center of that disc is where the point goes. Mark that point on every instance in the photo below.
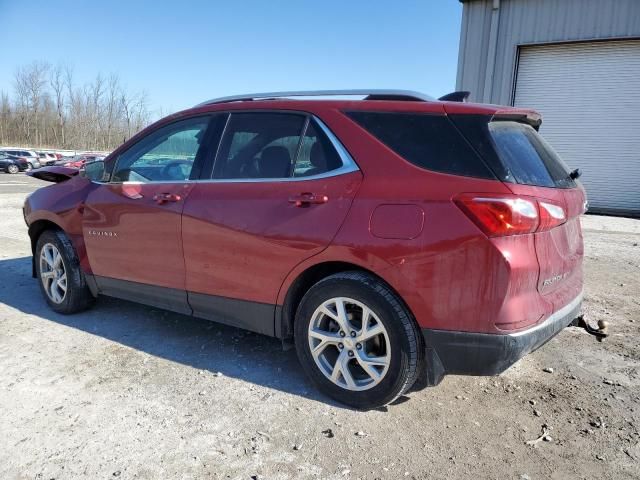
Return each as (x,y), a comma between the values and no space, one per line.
(183,52)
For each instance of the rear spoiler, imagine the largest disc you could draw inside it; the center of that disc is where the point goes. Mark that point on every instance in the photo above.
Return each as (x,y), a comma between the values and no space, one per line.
(523,115)
(460,96)
(55,174)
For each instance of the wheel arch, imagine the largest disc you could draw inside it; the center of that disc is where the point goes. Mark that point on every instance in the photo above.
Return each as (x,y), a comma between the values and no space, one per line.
(285,314)
(35,230)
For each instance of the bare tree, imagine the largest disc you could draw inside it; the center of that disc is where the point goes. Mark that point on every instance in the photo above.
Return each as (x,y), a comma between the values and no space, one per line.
(113,106)
(141,112)
(127,104)
(30,83)
(96,90)
(48,108)
(57,83)
(22,103)
(5,117)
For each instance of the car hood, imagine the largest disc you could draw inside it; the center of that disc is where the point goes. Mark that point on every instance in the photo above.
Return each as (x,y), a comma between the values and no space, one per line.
(54,174)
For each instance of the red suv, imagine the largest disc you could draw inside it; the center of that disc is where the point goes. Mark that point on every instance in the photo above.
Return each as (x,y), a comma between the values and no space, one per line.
(394,239)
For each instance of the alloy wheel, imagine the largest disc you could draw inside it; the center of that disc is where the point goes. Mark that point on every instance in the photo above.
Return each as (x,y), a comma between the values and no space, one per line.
(53,273)
(13,169)
(349,344)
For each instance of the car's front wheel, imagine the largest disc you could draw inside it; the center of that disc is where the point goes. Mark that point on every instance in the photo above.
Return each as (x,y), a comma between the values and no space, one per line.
(356,340)
(12,168)
(61,280)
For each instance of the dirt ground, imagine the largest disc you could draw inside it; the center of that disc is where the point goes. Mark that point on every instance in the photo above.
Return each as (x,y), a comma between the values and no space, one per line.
(126,391)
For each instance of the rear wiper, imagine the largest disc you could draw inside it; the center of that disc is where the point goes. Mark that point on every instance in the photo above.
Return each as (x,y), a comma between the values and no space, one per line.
(575,174)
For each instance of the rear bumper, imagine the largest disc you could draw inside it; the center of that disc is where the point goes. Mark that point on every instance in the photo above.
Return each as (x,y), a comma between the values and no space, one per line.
(466,353)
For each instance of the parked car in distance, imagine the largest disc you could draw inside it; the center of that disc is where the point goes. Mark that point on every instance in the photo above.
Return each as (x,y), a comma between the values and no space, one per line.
(78,161)
(393,240)
(47,158)
(12,164)
(30,155)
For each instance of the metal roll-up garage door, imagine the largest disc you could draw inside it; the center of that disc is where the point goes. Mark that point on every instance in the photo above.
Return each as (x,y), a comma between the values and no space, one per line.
(589,97)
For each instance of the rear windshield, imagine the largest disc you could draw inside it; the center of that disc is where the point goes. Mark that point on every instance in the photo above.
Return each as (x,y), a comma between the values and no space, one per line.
(527,156)
(426,140)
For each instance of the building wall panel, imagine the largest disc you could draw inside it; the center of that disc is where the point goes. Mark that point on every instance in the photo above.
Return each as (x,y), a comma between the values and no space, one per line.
(529,22)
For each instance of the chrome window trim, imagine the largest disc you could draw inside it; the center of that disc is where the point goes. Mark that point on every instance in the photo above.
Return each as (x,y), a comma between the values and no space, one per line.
(348,166)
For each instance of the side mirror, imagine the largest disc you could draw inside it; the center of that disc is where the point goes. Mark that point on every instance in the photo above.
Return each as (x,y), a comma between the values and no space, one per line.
(95,171)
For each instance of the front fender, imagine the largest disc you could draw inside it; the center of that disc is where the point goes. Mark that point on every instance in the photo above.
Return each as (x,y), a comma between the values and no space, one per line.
(60,206)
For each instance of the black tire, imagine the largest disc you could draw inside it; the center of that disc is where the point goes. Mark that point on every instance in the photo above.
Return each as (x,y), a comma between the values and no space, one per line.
(12,168)
(77,297)
(29,167)
(404,337)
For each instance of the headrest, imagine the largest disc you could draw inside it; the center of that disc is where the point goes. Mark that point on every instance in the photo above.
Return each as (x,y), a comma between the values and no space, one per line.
(275,162)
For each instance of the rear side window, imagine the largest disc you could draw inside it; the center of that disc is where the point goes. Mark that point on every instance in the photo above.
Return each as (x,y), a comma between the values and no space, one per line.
(264,145)
(259,145)
(428,141)
(528,157)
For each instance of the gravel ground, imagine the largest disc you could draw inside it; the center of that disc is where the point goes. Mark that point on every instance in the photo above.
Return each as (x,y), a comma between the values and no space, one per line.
(126,391)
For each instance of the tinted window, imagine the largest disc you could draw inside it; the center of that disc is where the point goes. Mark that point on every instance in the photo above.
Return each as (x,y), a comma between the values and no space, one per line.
(428,141)
(528,157)
(317,154)
(166,154)
(259,145)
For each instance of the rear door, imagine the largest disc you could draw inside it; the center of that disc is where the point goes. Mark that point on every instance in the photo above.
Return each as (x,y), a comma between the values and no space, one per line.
(280,188)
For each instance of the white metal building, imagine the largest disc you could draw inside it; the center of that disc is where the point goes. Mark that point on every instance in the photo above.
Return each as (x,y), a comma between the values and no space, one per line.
(578,63)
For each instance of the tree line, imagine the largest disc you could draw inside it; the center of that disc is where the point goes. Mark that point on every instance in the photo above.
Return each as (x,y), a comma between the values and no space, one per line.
(48,109)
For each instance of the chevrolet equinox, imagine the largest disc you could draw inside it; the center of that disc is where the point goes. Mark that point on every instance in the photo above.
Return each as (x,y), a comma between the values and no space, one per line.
(392,237)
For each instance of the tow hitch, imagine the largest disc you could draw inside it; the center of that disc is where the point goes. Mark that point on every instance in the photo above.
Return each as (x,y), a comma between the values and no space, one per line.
(600,333)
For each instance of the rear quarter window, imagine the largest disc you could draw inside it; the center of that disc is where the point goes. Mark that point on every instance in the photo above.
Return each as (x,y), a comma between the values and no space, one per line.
(426,140)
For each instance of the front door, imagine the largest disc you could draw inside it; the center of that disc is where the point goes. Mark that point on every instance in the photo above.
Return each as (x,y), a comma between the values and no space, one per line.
(281,187)
(132,225)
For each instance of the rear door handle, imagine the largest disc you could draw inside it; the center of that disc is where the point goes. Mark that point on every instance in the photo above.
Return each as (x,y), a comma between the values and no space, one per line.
(161,198)
(306,199)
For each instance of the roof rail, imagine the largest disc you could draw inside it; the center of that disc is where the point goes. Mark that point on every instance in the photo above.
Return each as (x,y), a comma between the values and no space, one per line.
(372,94)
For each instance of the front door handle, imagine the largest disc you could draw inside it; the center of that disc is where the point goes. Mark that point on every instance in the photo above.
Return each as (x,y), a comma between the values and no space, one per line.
(306,199)
(161,198)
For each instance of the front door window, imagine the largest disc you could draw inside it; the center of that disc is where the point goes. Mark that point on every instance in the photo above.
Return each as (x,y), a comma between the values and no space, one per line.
(166,155)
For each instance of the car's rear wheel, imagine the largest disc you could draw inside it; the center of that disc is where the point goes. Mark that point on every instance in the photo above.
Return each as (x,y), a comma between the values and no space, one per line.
(12,168)
(29,167)
(61,280)
(357,341)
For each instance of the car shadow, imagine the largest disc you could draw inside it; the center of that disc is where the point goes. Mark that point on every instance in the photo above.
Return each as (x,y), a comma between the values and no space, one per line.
(200,344)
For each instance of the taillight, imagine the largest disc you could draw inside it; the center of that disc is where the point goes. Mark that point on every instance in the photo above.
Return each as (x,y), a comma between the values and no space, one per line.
(500,215)
(551,215)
